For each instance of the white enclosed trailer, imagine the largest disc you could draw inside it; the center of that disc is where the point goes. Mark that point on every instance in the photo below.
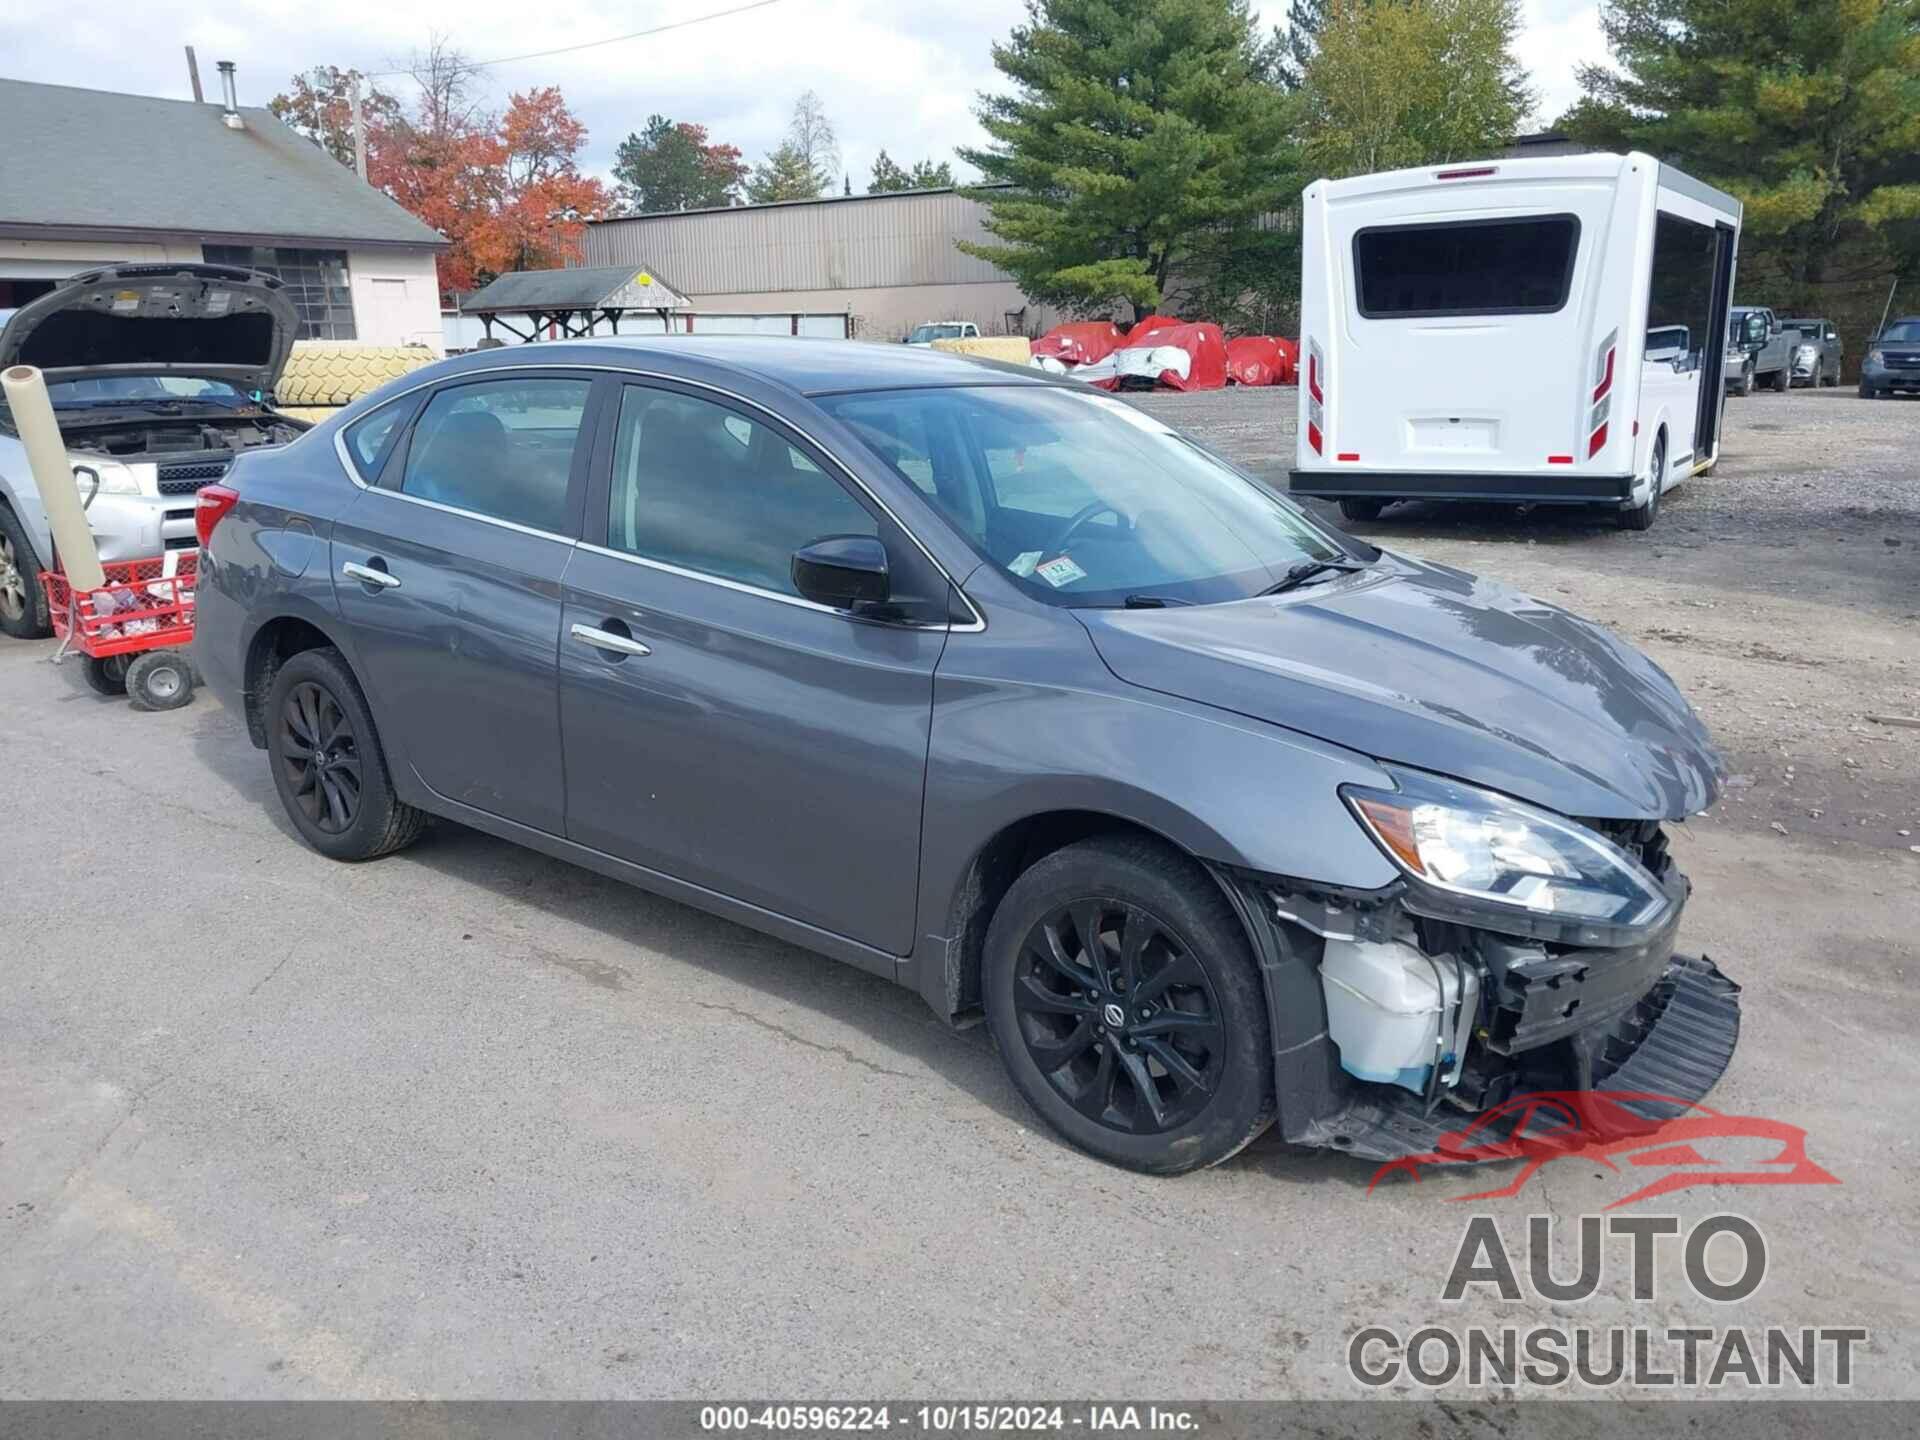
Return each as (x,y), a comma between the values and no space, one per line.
(1544,331)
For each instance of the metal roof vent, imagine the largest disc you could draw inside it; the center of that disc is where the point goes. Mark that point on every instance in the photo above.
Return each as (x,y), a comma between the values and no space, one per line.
(230,113)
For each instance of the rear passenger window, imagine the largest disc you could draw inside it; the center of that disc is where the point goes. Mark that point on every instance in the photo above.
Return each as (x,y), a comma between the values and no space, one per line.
(371,436)
(716,491)
(1471,267)
(501,448)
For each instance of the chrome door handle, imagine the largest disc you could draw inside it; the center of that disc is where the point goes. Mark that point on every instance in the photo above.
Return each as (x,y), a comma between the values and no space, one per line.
(367,575)
(607,640)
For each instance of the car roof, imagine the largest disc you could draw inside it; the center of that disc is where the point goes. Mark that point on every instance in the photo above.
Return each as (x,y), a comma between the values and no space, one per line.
(809,366)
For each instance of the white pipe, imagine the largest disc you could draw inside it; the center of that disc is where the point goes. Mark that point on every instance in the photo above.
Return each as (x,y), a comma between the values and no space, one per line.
(33,420)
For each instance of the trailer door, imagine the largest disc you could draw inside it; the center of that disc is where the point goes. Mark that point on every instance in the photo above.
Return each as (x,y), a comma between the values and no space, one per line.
(1467,334)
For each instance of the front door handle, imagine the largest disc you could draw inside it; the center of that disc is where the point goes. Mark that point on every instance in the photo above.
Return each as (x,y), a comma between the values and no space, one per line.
(367,575)
(608,641)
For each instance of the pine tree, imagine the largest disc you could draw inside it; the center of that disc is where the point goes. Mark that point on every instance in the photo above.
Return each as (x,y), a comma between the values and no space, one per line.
(1811,115)
(1133,138)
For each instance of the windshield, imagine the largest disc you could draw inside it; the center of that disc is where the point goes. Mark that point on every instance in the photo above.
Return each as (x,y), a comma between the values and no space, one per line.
(1082,499)
(1810,327)
(1903,332)
(924,333)
(134,389)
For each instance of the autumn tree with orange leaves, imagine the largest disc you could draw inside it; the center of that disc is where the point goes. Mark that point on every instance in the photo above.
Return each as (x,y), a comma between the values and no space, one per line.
(505,190)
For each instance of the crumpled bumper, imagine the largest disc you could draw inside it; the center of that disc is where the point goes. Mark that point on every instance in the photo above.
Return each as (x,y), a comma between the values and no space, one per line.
(1675,1045)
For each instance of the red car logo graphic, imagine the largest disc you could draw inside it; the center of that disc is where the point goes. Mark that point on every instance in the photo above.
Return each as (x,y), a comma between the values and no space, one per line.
(1690,1144)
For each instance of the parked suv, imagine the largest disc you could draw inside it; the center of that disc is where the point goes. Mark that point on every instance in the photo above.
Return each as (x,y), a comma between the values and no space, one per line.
(156,374)
(1759,352)
(997,687)
(1892,362)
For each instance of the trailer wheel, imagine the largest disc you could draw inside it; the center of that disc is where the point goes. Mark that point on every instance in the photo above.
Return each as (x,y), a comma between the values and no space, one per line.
(1362,510)
(108,676)
(160,680)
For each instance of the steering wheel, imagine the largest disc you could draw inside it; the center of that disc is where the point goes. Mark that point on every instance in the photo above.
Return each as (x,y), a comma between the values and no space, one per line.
(1081,517)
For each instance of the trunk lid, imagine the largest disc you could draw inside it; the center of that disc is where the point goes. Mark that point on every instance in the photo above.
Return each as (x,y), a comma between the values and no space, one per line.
(215,322)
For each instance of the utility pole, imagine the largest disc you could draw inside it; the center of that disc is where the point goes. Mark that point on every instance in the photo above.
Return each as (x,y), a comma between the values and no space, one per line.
(193,74)
(359,129)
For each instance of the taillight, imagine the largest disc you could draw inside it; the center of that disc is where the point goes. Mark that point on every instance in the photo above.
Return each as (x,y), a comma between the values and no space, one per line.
(1602,401)
(210,507)
(1316,414)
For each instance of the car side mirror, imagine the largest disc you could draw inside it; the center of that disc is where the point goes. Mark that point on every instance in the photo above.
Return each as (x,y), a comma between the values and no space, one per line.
(847,572)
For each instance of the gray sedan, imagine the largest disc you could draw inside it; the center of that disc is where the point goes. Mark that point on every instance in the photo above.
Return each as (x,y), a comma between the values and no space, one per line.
(993,685)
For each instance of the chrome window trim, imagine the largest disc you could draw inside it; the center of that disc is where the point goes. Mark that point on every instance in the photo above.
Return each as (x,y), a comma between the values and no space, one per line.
(514,525)
(974,626)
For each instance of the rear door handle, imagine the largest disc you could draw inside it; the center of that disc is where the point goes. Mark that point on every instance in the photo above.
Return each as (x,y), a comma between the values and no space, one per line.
(610,642)
(367,575)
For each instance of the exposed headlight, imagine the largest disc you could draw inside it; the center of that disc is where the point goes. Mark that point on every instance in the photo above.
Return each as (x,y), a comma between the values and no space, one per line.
(114,478)
(1807,352)
(1500,864)
(1876,357)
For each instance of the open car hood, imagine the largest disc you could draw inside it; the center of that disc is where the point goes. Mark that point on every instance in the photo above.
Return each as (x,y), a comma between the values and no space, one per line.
(216,322)
(1442,671)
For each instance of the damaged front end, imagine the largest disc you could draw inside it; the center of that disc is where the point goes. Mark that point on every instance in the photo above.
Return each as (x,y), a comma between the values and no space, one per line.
(1520,952)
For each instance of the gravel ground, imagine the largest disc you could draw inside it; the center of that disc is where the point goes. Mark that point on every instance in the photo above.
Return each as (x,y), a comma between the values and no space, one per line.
(1782,591)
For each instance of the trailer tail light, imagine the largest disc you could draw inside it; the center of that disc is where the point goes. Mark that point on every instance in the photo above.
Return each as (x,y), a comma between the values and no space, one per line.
(1559,459)
(1316,398)
(1602,402)
(1348,455)
(210,507)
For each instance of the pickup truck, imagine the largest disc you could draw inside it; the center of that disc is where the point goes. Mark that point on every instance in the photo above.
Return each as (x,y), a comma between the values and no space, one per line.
(1759,352)
(1816,351)
(934,330)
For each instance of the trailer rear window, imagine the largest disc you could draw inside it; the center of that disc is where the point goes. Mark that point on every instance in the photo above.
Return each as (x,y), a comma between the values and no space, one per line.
(1467,267)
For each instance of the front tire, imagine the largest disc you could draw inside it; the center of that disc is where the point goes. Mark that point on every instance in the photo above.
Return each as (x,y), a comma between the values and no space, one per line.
(1126,1007)
(1867,392)
(1783,380)
(1746,380)
(23,603)
(160,680)
(328,764)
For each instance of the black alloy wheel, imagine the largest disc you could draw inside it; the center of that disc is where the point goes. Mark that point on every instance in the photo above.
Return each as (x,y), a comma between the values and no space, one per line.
(321,757)
(1119,1017)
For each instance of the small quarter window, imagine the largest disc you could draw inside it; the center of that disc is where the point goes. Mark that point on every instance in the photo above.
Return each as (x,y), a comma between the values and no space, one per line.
(371,437)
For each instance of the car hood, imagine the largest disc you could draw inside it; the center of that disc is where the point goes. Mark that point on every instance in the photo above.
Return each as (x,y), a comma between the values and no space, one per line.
(216,322)
(1437,669)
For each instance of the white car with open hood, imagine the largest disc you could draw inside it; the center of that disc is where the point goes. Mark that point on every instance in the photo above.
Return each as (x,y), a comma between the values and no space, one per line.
(158,376)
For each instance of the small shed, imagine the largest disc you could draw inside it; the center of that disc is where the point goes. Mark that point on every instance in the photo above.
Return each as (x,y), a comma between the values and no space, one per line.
(570,303)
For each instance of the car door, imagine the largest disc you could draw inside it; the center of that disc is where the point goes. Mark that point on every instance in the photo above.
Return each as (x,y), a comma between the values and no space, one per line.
(719,728)
(448,573)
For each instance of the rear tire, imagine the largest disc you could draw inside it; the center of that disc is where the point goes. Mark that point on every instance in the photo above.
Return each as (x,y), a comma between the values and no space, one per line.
(106,677)
(1146,1045)
(1362,510)
(23,602)
(160,680)
(328,765)
(1641,517)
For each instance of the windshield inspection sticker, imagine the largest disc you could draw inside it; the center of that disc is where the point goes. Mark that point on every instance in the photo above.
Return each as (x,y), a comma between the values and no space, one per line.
(1060,571)
(1023,563)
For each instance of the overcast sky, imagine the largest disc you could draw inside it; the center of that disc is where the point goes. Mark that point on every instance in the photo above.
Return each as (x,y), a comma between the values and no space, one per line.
(893,73)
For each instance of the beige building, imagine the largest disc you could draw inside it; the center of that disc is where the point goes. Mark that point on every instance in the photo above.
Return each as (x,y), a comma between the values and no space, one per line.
(91,177)
(889,262)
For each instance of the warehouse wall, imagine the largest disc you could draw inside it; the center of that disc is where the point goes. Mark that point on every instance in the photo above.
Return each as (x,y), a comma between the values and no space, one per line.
(890,260)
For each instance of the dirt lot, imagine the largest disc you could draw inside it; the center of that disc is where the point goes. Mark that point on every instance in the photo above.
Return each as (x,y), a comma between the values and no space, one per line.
(469,1122)
(1782,591)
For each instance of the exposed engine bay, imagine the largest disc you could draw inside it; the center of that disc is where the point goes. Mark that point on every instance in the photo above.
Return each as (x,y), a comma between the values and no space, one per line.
(166,439)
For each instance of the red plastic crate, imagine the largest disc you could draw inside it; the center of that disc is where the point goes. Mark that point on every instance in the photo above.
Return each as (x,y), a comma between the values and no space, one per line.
(137,609)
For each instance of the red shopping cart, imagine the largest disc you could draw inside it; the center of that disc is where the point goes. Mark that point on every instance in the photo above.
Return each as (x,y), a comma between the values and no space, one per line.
(133,632)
